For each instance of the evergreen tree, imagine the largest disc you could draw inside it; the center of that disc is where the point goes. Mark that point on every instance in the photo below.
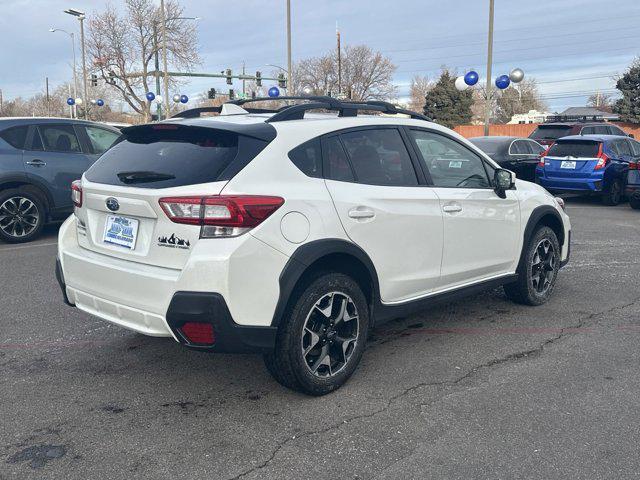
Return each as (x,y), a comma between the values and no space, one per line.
(628,107)
(447,105)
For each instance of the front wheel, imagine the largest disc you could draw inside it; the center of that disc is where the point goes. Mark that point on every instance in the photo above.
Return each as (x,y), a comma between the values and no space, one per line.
(635,203)
(322,337)
(538,271)
(22,216)
(613,196)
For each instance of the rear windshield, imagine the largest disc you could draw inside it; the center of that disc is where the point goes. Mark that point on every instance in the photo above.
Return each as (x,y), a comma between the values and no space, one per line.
(574,148)
(550,132)
(162,156)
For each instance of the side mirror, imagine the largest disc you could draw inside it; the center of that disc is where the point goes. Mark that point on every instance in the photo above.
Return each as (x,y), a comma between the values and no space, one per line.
(503,180)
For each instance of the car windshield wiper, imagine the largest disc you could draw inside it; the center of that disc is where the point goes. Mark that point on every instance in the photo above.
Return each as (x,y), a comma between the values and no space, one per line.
(144,177)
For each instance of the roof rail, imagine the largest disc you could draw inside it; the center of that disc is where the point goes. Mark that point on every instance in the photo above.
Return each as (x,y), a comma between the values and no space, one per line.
(314,102)
(575,118)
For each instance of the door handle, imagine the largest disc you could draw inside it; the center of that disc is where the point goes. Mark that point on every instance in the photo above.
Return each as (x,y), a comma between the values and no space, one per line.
(452,208)
(36,163)
(358,214)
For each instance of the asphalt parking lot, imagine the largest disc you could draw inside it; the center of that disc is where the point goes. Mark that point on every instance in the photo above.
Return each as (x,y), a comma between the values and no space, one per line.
(482,388)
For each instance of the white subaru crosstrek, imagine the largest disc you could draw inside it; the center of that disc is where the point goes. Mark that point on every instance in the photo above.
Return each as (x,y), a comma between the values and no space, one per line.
(292,233)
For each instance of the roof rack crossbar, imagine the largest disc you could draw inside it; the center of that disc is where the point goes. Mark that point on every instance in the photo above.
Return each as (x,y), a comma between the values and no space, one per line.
(314,102)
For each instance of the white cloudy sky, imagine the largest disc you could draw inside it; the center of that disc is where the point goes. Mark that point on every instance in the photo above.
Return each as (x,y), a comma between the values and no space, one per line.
(572,47)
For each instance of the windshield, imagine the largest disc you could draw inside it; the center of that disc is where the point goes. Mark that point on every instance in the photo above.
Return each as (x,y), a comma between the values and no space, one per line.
(550,132)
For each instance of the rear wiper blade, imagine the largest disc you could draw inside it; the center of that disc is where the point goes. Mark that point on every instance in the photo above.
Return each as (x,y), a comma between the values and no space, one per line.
(144,177)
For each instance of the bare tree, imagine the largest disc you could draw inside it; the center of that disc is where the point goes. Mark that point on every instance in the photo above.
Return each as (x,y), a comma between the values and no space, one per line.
(602,101)
(123,47)
(366,75)
(420,86)
(518,99)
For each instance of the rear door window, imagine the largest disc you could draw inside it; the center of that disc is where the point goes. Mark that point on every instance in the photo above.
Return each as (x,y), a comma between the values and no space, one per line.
(623,147)
(574,148)
(380,157)
(601,130)
(616,130)
(60,138)
(588,131)
(308,158)
(161,156)
(336,163)
(15,136)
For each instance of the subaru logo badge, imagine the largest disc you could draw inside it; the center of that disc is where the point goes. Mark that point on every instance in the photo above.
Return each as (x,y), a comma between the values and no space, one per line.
(112,204)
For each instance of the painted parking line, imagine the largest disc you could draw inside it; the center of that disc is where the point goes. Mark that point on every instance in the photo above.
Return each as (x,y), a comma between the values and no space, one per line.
(24,247)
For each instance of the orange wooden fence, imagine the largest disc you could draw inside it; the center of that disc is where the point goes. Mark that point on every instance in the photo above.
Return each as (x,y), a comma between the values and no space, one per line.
(524,129)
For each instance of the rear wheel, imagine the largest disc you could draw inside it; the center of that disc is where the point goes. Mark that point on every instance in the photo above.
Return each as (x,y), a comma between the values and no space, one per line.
(321,339)
(539,269)
(635,203)
(613,196)
(22,216)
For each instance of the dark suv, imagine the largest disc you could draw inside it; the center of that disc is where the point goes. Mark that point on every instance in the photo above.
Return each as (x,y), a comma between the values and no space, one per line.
(39,158)
(547,133)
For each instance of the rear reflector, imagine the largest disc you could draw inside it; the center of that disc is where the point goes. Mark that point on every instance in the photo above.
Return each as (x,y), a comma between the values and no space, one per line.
(198,333)
(221,216)
(76,193)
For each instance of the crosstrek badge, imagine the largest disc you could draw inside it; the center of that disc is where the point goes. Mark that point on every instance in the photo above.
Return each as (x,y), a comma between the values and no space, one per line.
(173,242)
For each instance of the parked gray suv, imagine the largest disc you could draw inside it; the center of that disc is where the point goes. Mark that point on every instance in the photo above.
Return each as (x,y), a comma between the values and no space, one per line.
(39,158)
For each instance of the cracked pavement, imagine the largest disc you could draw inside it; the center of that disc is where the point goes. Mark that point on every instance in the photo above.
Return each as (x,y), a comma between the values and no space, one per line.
(480,388)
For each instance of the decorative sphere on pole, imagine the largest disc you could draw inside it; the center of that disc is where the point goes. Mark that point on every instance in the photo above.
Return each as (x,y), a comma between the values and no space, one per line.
(516,75)
(100,102)
(158,99)
(184,99)
(176,98)
(70,101)
(93,101)
(274,92)
(502,82)
(78,101)
(150,96)
(471,78)
(460,84)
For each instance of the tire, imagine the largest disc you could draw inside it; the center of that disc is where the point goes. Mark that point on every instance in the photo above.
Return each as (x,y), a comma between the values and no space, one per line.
(613,196)
(317,349)
(635,203)
(538,271)
(22,215)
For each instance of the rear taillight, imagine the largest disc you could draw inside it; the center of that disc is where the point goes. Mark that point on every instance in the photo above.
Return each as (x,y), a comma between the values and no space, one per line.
(76,193)
(602,159)
(542,155)
(633,166)
(221,216)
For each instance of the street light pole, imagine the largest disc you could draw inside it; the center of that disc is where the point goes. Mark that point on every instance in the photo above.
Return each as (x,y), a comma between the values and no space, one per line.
(487,113)
(289,86)
(80,16)
(157,66)
(163,19)
(75,74)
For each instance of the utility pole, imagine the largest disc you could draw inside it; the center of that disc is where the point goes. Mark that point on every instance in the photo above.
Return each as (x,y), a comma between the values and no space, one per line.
(289,66)
(487,113)
(75,69)
(339,60)
(243,80)
(46,88)
(157,66)
(85,100)
(164,56)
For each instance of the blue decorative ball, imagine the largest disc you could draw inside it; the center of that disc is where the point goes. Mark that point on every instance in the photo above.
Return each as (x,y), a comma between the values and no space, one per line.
(471,78)
(151,96)
(274,92)
(100,102)
(70,101)
(502,82)
(184,99)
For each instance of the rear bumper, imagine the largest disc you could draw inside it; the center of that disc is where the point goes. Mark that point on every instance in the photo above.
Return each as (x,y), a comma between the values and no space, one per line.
(571,185)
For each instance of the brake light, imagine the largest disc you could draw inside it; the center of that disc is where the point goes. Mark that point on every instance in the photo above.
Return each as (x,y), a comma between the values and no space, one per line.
(76,193)
(221,216)
(542,155)
(633,166)
(602,159)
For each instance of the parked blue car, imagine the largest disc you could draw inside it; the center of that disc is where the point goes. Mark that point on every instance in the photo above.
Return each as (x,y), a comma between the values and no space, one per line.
(596,164)
(39,158)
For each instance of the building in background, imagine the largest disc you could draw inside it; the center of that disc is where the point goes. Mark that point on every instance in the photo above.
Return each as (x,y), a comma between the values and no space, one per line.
(532,116)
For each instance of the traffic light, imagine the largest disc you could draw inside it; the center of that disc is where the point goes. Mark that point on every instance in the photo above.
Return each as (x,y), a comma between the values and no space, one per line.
(112,77)
(94,80)
(232,94)
(282,81)
(258,79)
(229,76)
(211,94)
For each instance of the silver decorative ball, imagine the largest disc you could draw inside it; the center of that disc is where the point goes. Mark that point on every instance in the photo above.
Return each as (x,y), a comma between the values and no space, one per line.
(516,75)
(176,98)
